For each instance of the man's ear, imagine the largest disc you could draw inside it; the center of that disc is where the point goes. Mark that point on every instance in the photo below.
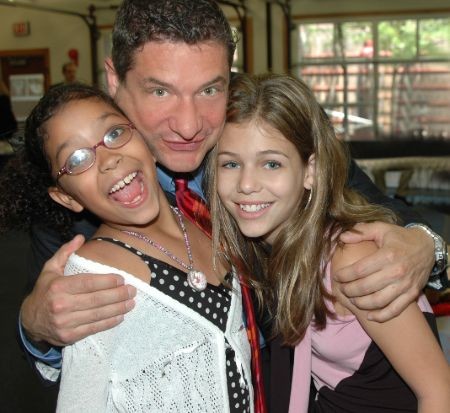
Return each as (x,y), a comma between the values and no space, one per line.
(111,77)
(64,199)
(310,173)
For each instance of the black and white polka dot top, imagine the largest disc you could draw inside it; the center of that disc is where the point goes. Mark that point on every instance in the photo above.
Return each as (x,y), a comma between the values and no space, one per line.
(212,303)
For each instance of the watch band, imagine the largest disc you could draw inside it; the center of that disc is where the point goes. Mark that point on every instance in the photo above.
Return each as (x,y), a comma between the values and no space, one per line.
(438,278)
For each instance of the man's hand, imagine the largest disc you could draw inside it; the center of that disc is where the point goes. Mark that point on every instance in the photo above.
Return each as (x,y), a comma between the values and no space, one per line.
(61,310)
(388,280)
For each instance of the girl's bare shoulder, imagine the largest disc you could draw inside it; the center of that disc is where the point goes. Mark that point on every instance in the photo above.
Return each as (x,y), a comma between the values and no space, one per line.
(347,254)
(115,256)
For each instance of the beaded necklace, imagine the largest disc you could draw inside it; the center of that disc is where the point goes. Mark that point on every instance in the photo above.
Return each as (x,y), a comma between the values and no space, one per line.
(196,279)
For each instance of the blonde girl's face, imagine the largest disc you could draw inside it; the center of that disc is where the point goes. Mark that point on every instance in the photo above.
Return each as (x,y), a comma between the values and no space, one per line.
(121,186)
(260,178)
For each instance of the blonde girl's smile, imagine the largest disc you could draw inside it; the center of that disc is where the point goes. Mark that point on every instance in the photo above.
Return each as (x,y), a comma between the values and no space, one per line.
(251,208)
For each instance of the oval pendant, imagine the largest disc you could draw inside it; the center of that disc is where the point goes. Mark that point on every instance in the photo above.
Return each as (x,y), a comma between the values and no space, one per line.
(196,280)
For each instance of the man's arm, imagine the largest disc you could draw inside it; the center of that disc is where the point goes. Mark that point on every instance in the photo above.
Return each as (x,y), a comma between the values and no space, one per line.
(60,310)
(387,281)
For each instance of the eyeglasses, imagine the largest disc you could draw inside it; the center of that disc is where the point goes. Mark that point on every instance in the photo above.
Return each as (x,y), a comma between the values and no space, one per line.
(82,159)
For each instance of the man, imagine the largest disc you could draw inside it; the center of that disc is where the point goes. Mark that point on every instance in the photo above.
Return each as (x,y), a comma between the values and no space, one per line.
(169,72)
(69,71)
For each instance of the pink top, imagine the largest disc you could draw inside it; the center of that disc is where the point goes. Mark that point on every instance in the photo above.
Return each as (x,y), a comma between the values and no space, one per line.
(330,355)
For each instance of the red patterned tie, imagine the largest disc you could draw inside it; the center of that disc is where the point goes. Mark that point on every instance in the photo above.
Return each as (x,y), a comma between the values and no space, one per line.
(194,208)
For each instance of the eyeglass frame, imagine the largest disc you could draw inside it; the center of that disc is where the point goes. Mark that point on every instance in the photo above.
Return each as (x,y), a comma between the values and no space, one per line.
(64,170)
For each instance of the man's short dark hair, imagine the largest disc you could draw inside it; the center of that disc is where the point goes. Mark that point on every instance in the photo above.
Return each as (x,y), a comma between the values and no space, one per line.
(188,21)
(66,65)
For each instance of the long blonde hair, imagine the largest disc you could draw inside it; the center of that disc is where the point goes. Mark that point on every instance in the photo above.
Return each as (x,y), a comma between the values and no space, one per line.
(292,272)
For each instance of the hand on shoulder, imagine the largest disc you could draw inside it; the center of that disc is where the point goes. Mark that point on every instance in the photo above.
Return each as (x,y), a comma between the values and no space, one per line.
(344,256)
(348,254)
(386,281)
(61,310)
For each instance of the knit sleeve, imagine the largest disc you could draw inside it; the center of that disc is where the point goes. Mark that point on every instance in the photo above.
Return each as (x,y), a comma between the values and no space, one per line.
(86,371)
(84,379)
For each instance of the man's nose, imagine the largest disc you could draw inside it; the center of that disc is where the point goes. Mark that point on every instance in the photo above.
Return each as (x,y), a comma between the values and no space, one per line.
(186,120)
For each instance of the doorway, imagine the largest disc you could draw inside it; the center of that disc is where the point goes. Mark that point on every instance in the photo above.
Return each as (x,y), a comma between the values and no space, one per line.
(27,76)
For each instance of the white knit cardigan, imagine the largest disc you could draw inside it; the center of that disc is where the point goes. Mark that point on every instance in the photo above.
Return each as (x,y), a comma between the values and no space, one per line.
(164,357)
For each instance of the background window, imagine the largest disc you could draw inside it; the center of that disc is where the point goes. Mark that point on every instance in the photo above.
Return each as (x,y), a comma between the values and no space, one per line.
(379,79)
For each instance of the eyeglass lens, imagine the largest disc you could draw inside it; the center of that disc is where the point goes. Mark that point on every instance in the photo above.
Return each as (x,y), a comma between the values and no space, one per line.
(82,159)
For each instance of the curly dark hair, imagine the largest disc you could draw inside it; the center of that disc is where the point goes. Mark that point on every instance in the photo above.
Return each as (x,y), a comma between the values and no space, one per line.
(24,180)
(189,21)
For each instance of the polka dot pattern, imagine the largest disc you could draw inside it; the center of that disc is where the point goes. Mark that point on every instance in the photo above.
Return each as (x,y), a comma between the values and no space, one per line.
(213,304)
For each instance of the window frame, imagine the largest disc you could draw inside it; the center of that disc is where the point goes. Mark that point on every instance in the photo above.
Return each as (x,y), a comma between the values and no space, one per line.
(300,62)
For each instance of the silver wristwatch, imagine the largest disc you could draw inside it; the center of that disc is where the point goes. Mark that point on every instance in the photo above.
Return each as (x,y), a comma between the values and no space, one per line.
(438,278)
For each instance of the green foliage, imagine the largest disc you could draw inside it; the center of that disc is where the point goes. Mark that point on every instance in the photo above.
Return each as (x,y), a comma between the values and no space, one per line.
(434,37)
(397,38)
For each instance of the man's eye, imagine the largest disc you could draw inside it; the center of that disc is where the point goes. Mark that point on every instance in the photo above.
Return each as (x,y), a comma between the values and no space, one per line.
(210,91)
(272,165)
(159,92)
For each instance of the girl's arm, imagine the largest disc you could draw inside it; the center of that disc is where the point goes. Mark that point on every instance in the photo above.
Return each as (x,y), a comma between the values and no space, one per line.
(406,340)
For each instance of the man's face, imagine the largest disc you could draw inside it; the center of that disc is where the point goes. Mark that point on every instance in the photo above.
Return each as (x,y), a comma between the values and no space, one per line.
(70,73)
(176,96)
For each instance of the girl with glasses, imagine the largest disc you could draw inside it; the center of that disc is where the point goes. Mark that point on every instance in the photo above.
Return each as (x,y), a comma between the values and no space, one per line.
(183,347)
(278,201)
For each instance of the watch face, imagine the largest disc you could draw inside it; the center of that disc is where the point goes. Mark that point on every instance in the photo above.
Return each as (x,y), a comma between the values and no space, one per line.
(440,264)
(440,250)
(441,254)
